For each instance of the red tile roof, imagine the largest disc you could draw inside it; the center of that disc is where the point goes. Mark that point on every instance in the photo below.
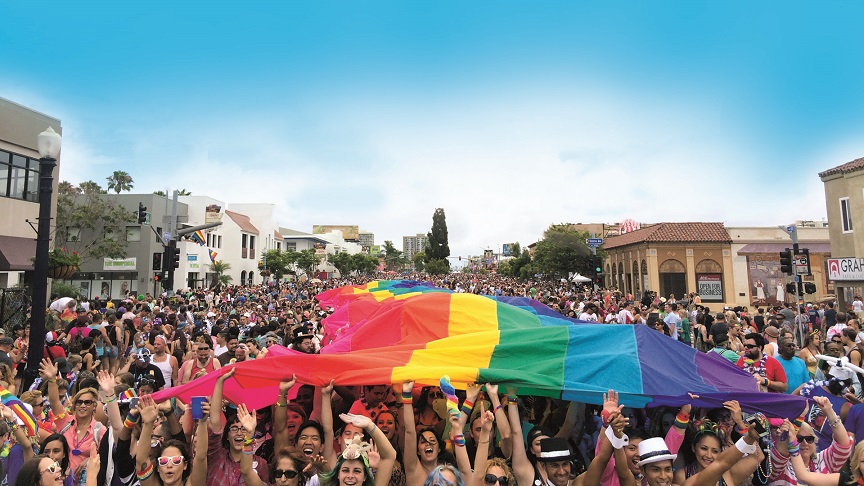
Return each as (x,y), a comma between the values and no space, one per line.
(243,222)
(672,233)
(853,166)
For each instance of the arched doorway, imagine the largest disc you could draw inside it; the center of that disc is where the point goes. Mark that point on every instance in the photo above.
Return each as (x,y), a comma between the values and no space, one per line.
(621,276)
(251,278)
(673,278)
(709,280)
(644,275)
(636,281)
(243,277)
(610,278)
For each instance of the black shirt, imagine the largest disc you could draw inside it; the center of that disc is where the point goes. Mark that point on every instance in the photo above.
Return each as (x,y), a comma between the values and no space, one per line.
(151,371)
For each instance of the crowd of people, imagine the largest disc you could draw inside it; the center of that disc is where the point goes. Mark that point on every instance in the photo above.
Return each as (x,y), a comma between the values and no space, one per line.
(97,423)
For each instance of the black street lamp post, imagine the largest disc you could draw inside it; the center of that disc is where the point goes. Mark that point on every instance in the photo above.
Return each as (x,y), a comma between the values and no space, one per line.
(49,147)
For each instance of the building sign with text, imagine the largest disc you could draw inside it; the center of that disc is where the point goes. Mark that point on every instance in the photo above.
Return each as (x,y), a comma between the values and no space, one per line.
(710,286)
(840,269)
(118,264)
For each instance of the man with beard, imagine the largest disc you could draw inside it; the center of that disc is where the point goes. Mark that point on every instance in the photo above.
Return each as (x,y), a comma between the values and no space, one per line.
(766,370)
(202,364)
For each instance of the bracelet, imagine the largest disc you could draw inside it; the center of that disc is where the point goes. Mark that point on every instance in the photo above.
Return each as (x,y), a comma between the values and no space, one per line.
(248,450)
(283,405)
(483,441)
(834,423)
(794,451)
(766,383)
(407,398)
(112,399)
(459,440)
(248,440)
(615,441)
(371,428)
(793,443)
(511,399)
(467,407)
(146,472)
(681,420)
(499,407)
(604,415)
(744,447)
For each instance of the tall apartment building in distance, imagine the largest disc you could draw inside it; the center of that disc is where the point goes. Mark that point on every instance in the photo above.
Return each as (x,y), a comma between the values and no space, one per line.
(366,238)
(411,245)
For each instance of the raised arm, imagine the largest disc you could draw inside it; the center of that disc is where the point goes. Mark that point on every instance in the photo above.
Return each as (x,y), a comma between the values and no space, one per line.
(327,424)
(249,423)
(216,402)
(199,460)
(413,470)
(280,415)
(501,420)
(106,386)
(614,432)
(385,450)
(144,468)
(48,372)
(522,467)
(487,418)
(841,437)
(18,432)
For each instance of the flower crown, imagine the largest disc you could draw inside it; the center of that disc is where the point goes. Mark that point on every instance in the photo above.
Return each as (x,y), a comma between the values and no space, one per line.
(355,448)
(706,426)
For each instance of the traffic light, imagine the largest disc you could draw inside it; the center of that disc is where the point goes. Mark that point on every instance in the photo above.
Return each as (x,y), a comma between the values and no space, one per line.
(142,214)
(175,255)
(791,288)
(157,262)
(809,288)
(158,277)
(786,262)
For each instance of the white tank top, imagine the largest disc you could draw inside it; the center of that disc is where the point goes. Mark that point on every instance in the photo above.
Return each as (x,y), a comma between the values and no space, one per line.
(167,371)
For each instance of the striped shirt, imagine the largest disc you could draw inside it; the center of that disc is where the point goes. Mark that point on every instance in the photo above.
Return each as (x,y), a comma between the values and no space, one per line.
(828,461)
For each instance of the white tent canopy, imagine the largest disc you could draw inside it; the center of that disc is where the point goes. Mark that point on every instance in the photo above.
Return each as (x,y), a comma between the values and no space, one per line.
(579,279)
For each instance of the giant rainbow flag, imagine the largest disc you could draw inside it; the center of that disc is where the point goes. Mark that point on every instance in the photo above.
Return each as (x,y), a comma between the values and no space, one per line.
(421,333)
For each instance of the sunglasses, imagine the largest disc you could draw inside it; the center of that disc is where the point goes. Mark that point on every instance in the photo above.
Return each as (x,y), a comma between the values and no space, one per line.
(288,473)
(810,439)
(838,341)
(54,468)
(84,403)
(436,394)
(751,346)
(165,460)
(491,479)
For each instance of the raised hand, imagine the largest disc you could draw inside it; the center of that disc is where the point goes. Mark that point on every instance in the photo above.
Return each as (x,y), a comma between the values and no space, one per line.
(7,413)
(618,421)
(360,421)
(227,375)
(247,420)
(106,382)
(472,392)
(286,385)
(317,464)
(610,401)
(491,389)
(486,418)
(327,390)
(47,370)
(147,409)
(374,457)
(408,387)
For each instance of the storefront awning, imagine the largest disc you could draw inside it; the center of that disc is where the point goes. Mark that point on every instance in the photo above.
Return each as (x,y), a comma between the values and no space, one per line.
(15,253)
(778,247)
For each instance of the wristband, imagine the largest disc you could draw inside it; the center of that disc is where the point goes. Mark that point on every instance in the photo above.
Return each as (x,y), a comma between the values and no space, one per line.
(794,451)
(793,443)
(681,420)
(407,398)
(744,447)
(146,472)
(459,440)
(248,441)
(467,407)
(604,415)
(615,441)
(248,450)
(499,407)
(511,399)
(282,405)
(371,428)
(766,382)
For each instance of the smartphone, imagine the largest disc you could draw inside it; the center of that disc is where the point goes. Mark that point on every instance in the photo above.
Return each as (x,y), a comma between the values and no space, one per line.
(757,423)
(133,403)
(197,411)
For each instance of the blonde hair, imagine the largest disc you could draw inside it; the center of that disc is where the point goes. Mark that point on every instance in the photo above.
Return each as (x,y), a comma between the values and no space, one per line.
(855,461)
(32,397)
(497,461)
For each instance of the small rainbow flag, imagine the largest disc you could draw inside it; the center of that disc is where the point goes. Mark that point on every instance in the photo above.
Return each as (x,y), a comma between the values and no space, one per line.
(127,395)
(17,406)
(212,255)
(198,237)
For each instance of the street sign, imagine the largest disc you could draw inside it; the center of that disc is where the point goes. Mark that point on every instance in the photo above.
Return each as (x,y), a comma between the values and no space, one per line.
(797,278)
(595,241)
(802,264)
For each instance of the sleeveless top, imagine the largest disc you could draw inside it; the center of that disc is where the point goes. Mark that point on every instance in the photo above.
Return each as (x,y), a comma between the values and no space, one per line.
(165,367)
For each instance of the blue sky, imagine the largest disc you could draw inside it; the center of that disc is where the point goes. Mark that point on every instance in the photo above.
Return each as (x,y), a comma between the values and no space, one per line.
(509,115)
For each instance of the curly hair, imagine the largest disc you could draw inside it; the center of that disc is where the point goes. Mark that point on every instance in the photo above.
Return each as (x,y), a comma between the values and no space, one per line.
(499,462)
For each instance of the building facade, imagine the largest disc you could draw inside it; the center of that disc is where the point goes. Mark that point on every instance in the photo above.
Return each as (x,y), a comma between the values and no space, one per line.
(19,187)
(412,245)
(672,259)
(844,200)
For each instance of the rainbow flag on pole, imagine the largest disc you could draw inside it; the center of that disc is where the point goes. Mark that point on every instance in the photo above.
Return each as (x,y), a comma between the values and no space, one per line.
(212,255)
(198,237)
(17,406)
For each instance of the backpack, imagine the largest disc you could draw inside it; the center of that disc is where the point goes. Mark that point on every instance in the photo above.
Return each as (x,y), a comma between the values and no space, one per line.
(76,343)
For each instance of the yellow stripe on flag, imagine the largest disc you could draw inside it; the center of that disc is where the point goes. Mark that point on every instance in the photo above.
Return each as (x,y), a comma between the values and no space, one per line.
(457,356)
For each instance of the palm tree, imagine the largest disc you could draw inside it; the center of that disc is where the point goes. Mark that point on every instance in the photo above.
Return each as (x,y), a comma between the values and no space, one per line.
(220,278)
(120,181)
(68,188)
(160,193)
(184,192)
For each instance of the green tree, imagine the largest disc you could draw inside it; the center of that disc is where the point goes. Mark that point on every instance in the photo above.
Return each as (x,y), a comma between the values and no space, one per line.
(90,224)
(90,187)
(515,250)
(563,250)
(160,193)
(437,246)
(364,264)
(278,262)
(438,267)
(342,262)
(393,258)
(220,277)
(307,260)
(419,260)
(183,192)
(120,181)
